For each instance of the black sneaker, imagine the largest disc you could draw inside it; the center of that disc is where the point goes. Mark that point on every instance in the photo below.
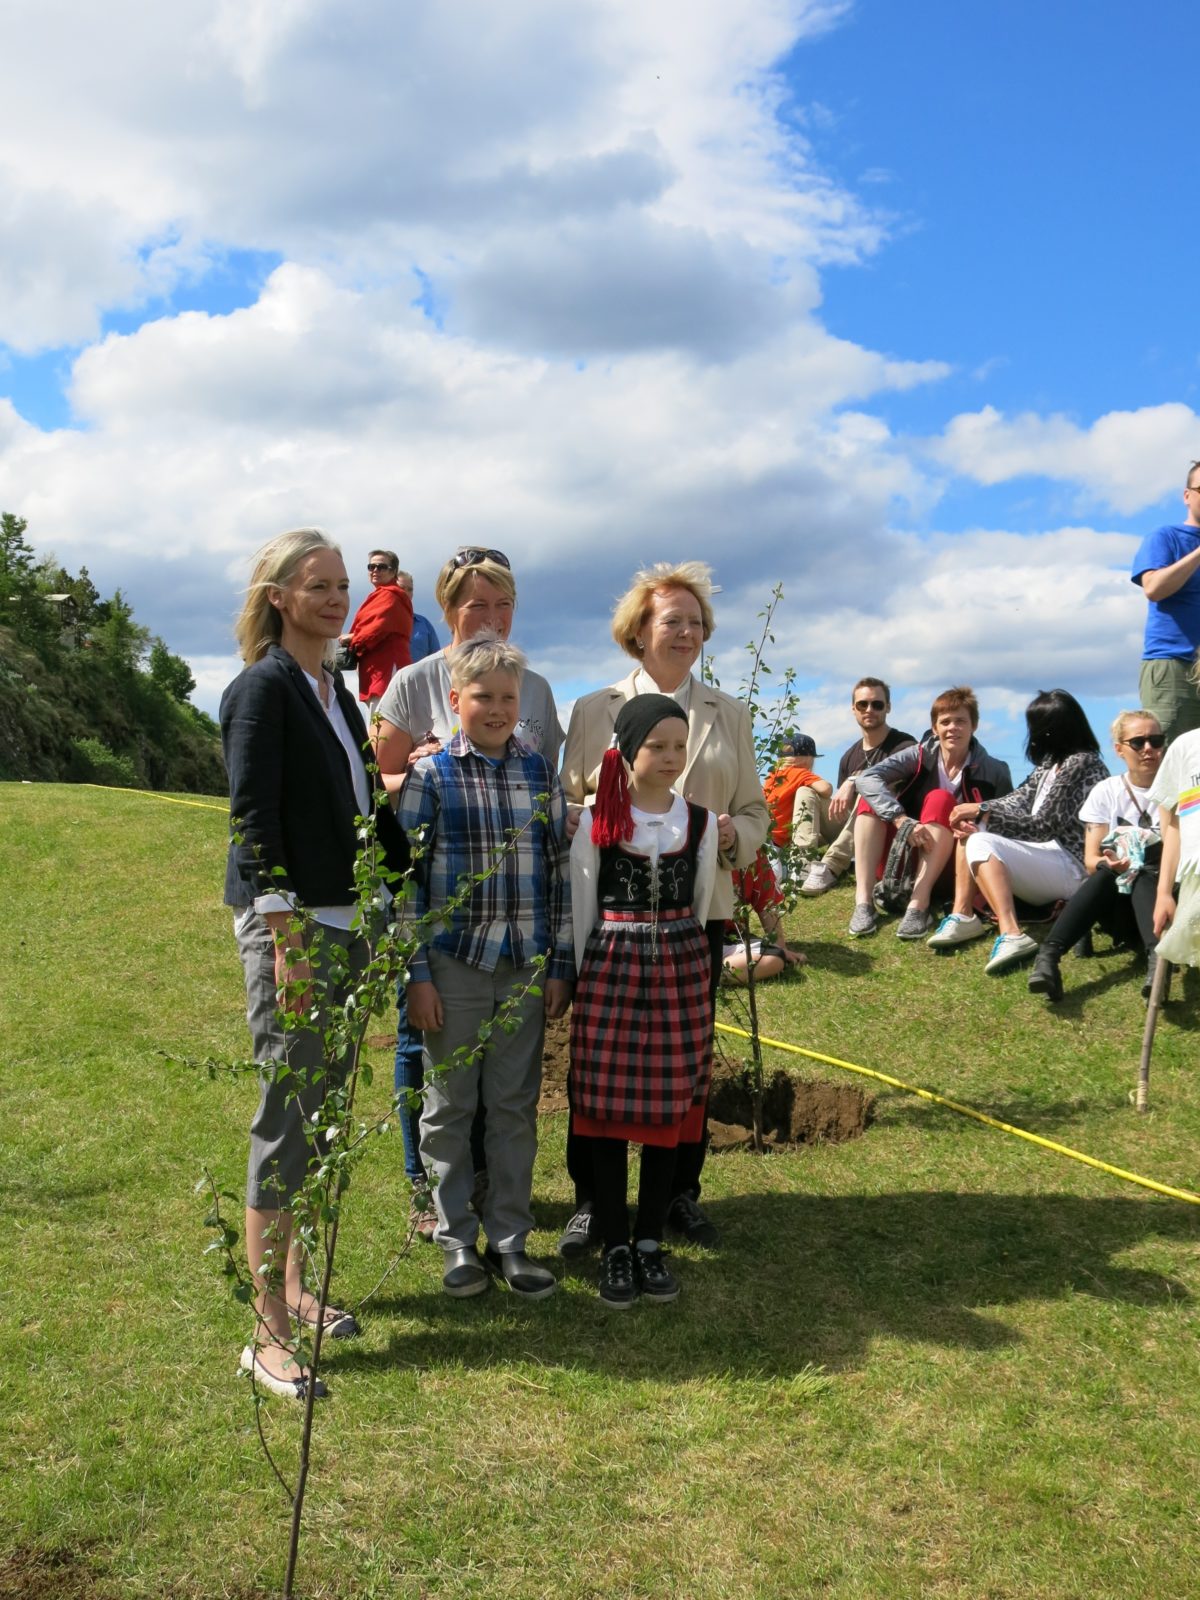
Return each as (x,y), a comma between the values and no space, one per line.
(656,1282)
(618,1281)
(580,1234)
(686,1217)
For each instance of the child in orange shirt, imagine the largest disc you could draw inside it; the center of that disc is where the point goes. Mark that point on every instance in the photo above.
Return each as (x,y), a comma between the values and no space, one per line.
(794,794)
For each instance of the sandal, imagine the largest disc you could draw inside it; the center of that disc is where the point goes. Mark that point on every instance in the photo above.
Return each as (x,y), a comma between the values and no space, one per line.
(338,1324)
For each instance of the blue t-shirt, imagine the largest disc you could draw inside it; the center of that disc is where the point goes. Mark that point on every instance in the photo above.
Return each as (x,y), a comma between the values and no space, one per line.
(424,641)
(1173,624)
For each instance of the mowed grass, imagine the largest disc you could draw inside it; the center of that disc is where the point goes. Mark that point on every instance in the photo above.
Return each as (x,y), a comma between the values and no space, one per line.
(936,1361)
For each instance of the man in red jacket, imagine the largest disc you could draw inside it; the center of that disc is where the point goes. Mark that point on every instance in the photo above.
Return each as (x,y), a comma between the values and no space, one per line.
(381,629)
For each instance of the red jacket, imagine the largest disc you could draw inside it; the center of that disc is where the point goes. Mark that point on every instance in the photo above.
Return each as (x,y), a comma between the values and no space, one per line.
(380,633)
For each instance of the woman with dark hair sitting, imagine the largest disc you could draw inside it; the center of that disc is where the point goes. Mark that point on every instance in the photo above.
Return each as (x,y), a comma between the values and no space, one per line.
(1028,843)
(1122,848)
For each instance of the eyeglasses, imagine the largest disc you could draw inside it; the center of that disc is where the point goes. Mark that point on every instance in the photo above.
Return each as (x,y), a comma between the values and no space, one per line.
(380,566)
(1141,740)
(870,705)
(470,556)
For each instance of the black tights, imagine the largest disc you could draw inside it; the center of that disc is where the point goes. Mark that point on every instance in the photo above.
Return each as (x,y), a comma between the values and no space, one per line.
(610,1176)
(1125,916)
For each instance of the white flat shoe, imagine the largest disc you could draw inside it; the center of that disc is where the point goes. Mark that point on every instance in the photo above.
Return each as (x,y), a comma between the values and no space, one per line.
(287,1388)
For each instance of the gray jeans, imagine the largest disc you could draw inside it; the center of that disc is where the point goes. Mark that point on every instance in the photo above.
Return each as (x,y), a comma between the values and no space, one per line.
(506,1073)
(280,1150)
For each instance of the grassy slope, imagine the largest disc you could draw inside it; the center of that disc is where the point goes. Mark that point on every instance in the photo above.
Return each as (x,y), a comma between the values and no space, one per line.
(1007,1340)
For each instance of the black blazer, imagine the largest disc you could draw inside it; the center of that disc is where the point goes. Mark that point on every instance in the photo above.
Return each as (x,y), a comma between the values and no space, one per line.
(291,795)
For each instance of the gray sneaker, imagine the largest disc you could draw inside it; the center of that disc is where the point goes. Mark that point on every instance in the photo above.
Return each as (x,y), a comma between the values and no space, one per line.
(863,922)
(915,924)
(1008,950)
(819,880)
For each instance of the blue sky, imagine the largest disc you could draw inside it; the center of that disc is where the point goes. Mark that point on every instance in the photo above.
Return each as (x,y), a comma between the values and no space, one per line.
(884,302)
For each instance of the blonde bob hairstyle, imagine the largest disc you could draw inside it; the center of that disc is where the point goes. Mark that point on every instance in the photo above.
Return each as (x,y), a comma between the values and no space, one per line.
(633,607)
(452,579)
(487,652)
(1123,718)
(259,624)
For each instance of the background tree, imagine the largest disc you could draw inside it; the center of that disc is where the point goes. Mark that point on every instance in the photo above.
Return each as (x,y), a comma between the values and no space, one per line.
(171,673)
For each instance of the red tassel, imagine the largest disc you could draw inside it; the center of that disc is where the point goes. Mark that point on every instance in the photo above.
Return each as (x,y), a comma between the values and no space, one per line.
(612,818)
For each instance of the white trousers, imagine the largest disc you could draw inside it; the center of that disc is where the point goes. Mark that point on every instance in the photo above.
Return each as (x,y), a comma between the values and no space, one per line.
(1041,870)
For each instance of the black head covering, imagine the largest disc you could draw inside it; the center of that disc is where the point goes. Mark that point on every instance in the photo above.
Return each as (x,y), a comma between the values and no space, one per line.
(637,717)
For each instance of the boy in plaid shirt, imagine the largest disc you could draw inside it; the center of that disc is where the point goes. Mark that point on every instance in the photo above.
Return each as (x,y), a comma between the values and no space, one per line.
(487,796)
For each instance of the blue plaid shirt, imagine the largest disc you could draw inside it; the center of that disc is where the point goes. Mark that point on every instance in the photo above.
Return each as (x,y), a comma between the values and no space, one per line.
(473,807)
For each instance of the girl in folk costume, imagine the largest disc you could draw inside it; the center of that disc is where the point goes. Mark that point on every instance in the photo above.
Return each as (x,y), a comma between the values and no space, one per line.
(643,865)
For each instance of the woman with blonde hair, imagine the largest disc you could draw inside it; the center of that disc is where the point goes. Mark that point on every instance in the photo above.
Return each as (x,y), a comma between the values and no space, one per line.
(1122,848)
(662,621)
(297,756)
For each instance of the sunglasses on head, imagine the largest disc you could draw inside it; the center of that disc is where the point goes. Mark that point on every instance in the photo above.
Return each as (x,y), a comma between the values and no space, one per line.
(1141,740)
(870,705)
(470,556)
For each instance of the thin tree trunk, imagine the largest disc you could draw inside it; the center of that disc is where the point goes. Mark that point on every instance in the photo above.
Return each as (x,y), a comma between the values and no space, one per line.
(309,1402)
(1162,976)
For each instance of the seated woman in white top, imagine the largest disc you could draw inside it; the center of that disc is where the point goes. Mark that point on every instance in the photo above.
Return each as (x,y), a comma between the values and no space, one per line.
(1122,845)
(1027,844)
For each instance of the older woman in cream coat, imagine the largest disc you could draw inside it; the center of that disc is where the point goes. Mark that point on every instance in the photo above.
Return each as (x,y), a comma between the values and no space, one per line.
(662,622)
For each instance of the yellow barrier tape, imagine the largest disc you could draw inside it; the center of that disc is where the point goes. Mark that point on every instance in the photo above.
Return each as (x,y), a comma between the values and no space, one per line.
(149,794)
(977,1116)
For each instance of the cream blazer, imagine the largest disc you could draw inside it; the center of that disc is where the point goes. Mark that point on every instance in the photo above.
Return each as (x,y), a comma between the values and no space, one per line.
(720,775)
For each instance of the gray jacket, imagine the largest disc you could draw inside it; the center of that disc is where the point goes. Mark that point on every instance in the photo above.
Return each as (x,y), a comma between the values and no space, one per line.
(896,786)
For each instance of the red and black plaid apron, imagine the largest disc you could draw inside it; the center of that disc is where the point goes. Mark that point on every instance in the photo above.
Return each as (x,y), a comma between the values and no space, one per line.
(641,1023)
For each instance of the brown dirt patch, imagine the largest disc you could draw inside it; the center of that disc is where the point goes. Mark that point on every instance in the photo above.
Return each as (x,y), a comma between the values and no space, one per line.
(795,1111)
(31,1574)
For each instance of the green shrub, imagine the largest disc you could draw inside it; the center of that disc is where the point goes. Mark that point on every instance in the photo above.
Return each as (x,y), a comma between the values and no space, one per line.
(93,762)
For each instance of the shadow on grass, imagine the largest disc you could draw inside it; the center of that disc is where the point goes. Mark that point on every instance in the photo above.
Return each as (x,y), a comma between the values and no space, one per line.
(1047,1118)
(849,960)
(805,1279)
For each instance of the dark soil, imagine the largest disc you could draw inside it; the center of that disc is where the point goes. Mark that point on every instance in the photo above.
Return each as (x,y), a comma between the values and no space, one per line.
(795,1111)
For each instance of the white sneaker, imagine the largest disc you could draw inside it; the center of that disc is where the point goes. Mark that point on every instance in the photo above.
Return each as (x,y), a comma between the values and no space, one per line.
(819,879)
(1008,949)
(956,929)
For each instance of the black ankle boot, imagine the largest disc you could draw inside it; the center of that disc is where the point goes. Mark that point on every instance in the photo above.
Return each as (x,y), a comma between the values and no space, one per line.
(1045,977)
(1151,968)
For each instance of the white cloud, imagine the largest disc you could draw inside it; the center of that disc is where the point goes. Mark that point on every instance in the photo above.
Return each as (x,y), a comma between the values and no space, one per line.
(368,137)
(1126,459)
(1055,609)
(622,233)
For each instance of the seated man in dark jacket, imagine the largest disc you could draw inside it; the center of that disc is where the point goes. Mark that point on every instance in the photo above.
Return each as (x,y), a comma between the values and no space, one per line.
(925,782)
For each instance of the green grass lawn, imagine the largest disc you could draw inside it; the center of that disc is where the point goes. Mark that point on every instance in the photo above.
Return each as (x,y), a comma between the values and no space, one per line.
(934,1361)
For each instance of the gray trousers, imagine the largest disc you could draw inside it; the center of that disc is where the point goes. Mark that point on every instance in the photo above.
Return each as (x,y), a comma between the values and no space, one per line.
(506,1073)
(280,1150)
(1168,693)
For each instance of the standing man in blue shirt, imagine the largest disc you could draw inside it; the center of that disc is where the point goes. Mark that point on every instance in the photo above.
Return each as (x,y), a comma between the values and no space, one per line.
(424,641)
(1167,566)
